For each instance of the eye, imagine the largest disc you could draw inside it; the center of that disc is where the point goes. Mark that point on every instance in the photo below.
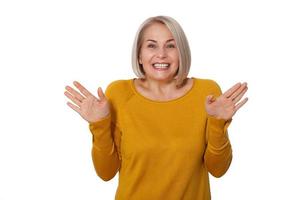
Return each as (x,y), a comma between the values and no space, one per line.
(170,46)
(151,46)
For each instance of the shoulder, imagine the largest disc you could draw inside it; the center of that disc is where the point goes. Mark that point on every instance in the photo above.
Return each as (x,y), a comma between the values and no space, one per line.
(118,91)
(209,86)
(117,86)
(207,83)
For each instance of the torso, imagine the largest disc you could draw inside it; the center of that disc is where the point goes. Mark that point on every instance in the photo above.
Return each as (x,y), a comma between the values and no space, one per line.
(140,87)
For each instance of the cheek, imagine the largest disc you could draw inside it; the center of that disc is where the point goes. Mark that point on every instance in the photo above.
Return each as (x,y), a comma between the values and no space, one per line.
(175,57)
(145,57)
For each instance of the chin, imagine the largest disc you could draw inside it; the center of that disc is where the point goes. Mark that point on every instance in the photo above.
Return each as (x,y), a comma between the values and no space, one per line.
(161,78)
(160,75)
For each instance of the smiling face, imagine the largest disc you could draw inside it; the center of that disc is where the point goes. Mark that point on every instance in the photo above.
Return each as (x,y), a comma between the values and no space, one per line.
(159,54)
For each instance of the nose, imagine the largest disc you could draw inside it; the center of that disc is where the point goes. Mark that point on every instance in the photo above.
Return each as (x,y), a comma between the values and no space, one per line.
(161,53)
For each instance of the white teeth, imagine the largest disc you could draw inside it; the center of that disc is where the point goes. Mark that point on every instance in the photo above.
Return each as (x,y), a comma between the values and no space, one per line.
(161,65)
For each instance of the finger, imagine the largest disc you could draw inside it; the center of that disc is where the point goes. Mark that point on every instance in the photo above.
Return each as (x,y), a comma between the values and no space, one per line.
(73,107)
(230,91)
(100,93)
(235,100)
(239,105)
(209,98)
(76,94)
(237,92)
(82,89)
(76,101)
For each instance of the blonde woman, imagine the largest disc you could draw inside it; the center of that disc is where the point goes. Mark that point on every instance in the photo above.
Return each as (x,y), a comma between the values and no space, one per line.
(163,132)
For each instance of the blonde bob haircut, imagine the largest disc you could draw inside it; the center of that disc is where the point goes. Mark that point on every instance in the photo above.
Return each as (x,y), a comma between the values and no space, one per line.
(181,43)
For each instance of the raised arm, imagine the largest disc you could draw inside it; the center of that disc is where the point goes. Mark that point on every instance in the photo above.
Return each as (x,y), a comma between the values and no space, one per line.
(105,151)
(97,112)
(220,108)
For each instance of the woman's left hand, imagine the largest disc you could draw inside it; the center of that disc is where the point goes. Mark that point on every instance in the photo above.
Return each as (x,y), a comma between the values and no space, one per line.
(226,105)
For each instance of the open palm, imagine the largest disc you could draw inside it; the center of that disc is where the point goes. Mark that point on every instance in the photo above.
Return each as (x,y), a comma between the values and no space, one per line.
(90,108)
(226,105)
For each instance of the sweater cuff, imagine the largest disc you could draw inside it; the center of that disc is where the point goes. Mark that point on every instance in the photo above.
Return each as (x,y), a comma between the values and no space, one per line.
(220,123)
(101,131)
(218,137)
(102,123)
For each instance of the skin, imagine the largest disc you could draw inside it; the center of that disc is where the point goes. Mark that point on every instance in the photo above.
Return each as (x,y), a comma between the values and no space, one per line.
(226,105)
(89,107)
(158,46)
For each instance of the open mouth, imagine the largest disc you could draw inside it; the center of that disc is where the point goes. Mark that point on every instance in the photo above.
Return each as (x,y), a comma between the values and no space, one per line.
(161,66)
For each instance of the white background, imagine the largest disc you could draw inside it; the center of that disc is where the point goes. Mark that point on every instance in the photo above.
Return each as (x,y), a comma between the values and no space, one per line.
(45,146)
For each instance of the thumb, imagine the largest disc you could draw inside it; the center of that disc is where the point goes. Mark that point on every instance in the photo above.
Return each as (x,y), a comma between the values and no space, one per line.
(209,98)
(100,93)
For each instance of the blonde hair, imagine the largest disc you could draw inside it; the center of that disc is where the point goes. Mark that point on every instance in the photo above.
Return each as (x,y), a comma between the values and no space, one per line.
(181,43)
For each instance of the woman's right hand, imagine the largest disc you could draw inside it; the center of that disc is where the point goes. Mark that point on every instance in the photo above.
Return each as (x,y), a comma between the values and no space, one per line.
(90,108)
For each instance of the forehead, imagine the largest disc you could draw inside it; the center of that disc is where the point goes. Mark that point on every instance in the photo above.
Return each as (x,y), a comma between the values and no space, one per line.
(157,31)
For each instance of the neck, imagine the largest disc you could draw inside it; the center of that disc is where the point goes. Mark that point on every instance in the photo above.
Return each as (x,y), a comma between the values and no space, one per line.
(160,87)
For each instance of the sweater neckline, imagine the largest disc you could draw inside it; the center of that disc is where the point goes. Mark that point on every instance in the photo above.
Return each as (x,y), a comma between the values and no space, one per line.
(163,102)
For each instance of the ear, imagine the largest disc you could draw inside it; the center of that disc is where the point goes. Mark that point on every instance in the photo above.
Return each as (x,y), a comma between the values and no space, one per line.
(140,60)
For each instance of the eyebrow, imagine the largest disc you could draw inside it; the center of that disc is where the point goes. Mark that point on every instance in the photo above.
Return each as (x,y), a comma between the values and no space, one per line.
(156,41)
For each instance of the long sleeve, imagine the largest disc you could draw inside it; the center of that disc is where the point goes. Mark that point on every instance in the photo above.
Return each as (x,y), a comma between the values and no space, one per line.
(218,154)
(168,148)
(106,148)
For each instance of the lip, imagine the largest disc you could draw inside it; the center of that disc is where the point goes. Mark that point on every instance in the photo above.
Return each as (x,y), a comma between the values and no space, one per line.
(161,69)
(161,63)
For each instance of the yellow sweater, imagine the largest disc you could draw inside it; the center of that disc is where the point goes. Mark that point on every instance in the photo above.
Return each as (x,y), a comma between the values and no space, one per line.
(162,150)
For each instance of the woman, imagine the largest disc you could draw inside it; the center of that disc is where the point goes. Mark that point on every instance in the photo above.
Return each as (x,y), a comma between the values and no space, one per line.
(163,132)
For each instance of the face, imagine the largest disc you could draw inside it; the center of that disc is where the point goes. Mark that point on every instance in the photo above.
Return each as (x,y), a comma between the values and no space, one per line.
(159,54)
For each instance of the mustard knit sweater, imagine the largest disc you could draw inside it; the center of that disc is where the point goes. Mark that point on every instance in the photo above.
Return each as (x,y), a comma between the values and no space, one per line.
(163,150)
